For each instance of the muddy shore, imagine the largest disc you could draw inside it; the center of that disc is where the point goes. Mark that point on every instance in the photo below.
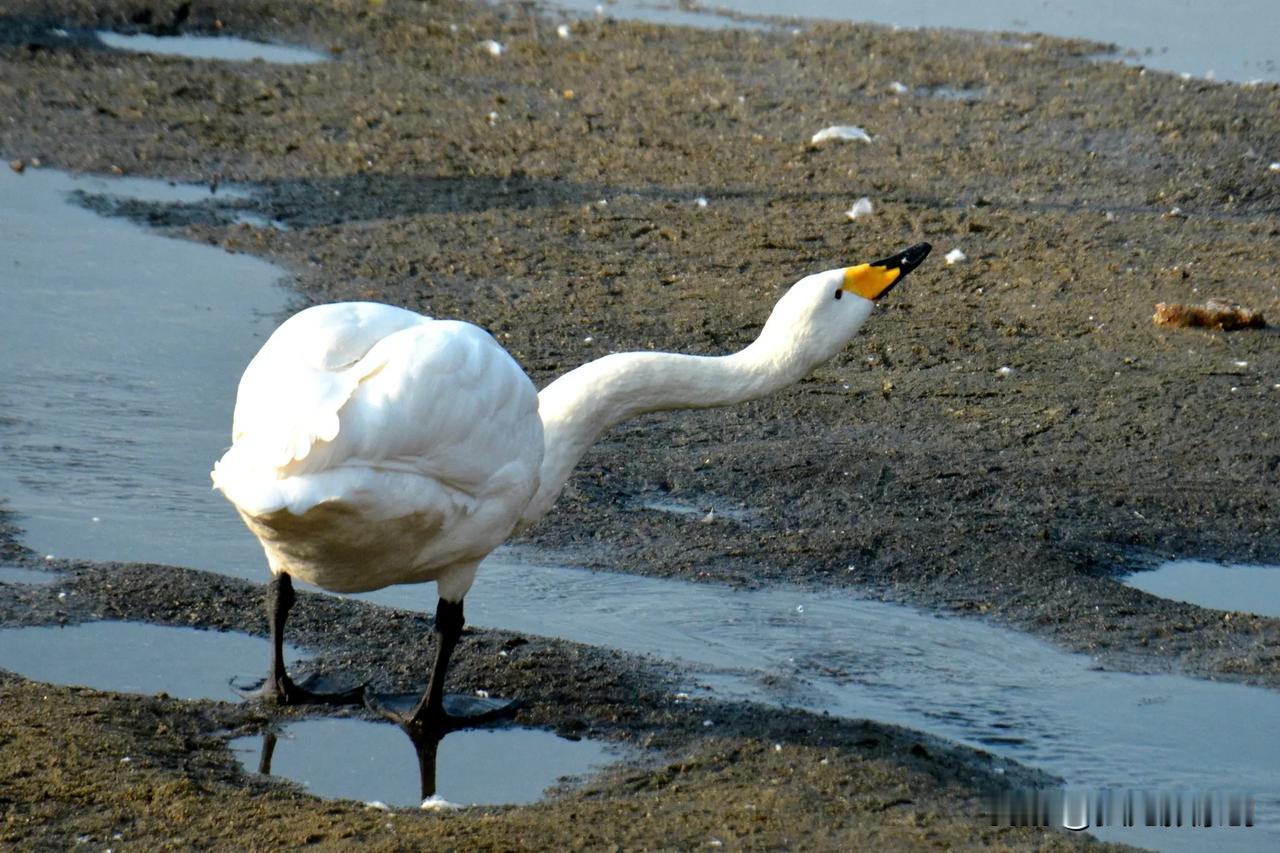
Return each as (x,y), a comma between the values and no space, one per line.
(549,195)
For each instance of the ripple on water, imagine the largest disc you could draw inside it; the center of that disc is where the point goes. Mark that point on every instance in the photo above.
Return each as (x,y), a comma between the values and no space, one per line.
(123,350)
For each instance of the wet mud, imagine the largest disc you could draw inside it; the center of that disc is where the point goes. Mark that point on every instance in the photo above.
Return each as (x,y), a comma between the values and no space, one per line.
(1007,436)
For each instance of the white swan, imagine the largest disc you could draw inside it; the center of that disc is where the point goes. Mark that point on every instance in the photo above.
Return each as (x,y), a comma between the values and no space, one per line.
(375,446)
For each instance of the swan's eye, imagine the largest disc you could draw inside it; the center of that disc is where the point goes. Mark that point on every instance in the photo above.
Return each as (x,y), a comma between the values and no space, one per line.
(839,292)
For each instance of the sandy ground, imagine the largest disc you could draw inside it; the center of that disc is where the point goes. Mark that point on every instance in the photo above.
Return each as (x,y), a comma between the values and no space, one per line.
(549,196)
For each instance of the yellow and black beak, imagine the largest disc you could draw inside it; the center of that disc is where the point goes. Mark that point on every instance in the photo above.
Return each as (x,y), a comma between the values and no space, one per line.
(873,280)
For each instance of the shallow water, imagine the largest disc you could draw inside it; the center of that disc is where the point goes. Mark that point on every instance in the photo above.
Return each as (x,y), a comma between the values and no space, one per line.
(120,408)
(1229,40)
(705,509)
(13,574)
(1247,589)
(122,352)
(962,679)
(333,757)
(359,760)
(225,48)
(136,657)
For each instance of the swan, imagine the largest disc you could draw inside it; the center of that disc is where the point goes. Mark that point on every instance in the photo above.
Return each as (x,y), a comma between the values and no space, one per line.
(372,445)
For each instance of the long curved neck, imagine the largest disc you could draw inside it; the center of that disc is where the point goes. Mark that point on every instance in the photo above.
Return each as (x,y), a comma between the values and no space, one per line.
(580,406)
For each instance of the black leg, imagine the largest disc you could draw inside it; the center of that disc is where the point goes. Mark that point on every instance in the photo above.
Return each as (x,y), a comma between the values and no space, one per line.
(429,716)
(429,713)
(280,598)
(279,689)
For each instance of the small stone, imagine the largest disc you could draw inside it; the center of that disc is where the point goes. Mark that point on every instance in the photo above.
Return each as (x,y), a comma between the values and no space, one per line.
(17,166)
(1220,314)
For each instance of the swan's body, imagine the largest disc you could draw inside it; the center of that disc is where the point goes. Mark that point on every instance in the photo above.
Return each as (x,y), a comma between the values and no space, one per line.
(375,446)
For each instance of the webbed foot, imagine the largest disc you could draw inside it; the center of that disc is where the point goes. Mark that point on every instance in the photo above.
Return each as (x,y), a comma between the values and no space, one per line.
(313,690)
(457,711)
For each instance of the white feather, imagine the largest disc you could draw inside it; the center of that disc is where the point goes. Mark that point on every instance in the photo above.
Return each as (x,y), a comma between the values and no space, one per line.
(358,424)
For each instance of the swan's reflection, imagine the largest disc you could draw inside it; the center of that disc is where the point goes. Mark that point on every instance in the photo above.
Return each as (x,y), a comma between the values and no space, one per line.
(425,746)
(356,759)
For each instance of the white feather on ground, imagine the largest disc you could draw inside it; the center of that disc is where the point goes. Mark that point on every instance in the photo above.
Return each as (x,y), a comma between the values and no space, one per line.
(842,133)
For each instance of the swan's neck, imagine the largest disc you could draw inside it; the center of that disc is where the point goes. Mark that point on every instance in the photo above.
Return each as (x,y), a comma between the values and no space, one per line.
(580,406)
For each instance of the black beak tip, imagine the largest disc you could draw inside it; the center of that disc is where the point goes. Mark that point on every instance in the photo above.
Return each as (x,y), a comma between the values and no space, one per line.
(906,261)
(914,256)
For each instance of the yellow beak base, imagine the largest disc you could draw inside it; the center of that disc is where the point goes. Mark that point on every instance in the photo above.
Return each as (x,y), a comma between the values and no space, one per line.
(873,280)
(869,281)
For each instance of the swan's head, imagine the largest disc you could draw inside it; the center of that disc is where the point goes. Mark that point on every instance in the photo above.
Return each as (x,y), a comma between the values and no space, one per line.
(821,312)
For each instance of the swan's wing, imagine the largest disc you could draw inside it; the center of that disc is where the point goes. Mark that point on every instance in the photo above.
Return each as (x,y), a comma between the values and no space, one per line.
(433,416)
(292,390)
(441,399)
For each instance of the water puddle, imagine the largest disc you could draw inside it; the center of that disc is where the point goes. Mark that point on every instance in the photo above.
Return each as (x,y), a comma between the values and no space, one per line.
(138,199)
(963,679)
(30,577)
(677,14)
(1247,589)
(952,93)
(376,762)
(225,48)
(149,190)
(136,657)
(1221,40)
(703,509)
(122,352)
(257,220)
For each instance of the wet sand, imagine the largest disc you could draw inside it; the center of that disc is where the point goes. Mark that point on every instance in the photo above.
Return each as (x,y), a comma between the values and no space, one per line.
(421,170)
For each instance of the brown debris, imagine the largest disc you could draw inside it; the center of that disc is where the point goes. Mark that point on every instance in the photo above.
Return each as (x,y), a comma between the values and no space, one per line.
(1215,314)
(17,166)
